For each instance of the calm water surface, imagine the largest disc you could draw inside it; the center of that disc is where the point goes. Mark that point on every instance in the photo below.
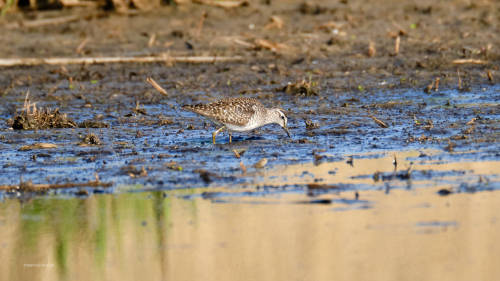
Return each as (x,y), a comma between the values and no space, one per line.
(406,232)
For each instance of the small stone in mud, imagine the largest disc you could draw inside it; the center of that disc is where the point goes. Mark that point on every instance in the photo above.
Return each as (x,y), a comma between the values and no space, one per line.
(444,192)
(138,110)
(93,124)
(261,163)
(350,161)
(82,192)
(174,166)
(91,139)
(239,152)
(301,88)
(206,176)
(320,201)
(310,125)
(133,172)
(163,122)
(307,8)
(321,186)
(450,147)
(318,158)
(177,33)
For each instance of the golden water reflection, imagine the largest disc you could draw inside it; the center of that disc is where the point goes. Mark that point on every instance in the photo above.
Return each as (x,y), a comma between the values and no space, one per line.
(349,173)
(408,235)
(405,235)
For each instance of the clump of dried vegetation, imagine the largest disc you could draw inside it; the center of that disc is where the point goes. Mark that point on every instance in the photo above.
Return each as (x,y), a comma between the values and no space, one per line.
(303,88)
(32,117)
(91,139)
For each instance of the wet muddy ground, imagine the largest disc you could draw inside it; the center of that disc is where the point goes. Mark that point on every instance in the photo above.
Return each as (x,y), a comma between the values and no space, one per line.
(126,133)
(375,129)
(147,140)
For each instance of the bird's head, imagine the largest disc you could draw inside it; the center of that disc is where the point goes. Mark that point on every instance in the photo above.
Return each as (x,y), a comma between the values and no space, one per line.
(279,118)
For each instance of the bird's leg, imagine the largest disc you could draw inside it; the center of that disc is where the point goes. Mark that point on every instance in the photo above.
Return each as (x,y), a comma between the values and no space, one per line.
(230,137)
(216,132)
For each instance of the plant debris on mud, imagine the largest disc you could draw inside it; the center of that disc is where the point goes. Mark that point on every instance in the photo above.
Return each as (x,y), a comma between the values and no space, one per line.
(40,119)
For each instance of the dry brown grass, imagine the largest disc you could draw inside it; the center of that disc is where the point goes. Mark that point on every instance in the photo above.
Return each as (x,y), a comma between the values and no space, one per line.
(32,117)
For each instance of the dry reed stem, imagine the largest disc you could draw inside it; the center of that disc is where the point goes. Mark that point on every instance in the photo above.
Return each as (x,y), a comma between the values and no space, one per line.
(44,22)
(80,47)
(471,61)
(490,75)
(436,84)
(156,86)
(379,122)
(272,46)
(40,145)
(459,80)
(78,3)
(471,122)
(103,60)
(396,45)
(243,168)
(371,49)
(201,23)
(244,43)
(222,4)
(236,153)
(275,22)
(152,40)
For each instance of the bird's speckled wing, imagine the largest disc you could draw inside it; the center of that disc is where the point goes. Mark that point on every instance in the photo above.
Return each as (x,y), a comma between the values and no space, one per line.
(234,111)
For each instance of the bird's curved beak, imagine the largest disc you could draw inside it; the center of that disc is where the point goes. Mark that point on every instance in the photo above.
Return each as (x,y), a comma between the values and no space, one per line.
(287,132)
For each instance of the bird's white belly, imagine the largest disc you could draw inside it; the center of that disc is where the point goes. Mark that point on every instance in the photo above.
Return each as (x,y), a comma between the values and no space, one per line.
(247,127)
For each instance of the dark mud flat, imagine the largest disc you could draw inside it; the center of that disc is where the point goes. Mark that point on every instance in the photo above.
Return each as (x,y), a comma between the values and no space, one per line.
(147,141)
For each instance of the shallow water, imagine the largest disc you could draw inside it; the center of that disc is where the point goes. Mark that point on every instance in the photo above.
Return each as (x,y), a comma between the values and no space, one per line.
(276,226)
(411,235)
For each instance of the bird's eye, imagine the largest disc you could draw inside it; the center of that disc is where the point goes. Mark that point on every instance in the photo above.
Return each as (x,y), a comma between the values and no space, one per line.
(282,117)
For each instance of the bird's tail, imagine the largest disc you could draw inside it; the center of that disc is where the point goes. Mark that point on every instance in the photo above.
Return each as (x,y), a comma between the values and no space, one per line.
(190,107)
(196,108)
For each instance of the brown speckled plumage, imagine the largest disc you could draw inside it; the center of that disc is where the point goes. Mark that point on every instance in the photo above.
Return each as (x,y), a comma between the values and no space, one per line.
(239,115)
(234,111)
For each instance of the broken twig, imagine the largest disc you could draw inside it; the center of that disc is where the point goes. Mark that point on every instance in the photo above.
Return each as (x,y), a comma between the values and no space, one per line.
(471,61)
(222,4)
(396,45)
(44,22)
(156,86)
(379,122)
(100,60)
